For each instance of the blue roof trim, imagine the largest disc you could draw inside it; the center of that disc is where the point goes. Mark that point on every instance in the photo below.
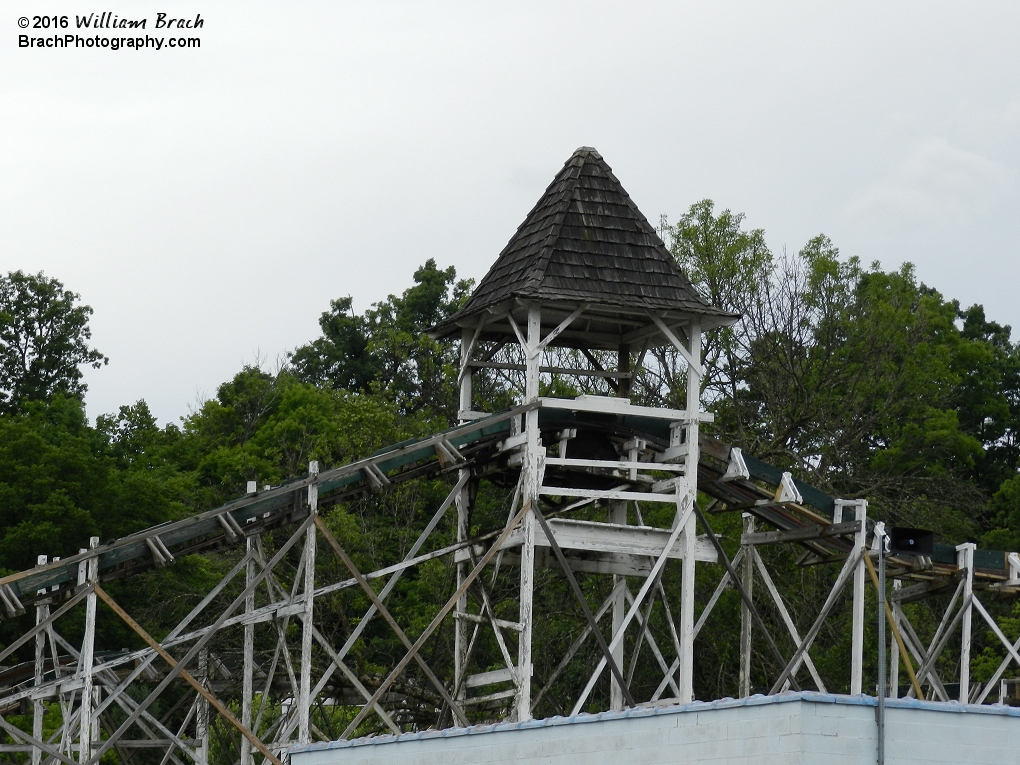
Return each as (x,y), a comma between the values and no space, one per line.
(698,706)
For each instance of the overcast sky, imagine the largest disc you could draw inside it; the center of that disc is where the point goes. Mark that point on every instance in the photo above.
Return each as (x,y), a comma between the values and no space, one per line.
(209,203)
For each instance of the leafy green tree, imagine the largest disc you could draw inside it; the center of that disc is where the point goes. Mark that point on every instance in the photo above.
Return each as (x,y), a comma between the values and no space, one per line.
(44,334)
(267,427)
(62,481)
(150,483)
(50,480)
(988,396)
(1005,515)
(731,267)
(341,357)
(386,350)
(864,381)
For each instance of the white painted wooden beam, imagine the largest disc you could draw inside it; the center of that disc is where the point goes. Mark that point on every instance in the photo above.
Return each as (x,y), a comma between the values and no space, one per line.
(562,326)
(611,405)
(635,496)
(695,364)
(591,536)
(965,562)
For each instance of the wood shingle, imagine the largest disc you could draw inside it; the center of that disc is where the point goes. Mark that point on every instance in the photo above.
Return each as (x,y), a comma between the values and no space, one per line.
(585,241)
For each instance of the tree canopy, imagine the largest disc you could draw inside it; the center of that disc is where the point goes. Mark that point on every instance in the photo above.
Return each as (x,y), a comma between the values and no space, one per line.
(44,336)
(860,380)
(386,350)
(863,381)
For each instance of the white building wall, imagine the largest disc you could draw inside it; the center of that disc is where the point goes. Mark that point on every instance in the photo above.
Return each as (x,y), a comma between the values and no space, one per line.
(793,729)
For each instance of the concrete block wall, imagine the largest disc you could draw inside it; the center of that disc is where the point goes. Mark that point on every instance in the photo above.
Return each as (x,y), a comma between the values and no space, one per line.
(967,734)
(792,729)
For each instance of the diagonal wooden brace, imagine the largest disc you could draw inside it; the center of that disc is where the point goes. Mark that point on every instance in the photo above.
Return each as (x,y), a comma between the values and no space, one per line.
(895,631)
(436,621)
(215,702)
(743,591)
(385,613)
(198,645)
(17,733)
(852,561)
(599,638)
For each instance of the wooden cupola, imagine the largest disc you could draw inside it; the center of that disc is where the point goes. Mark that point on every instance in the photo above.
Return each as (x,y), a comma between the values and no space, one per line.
(586,249)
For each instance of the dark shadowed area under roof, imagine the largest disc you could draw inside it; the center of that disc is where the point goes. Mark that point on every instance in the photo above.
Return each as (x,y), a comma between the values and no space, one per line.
(587,243)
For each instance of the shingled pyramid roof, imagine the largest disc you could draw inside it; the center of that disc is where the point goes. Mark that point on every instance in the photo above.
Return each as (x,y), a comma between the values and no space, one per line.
(587,242)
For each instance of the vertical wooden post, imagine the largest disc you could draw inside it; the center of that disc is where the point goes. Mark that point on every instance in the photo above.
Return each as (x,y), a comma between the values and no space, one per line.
(533,460)
(687,544)
(883,689)
(894,654)
(465,380)
(88,573)
(38,707)
(965,561)
(248,670)
(202,715)
(305,687)
(66,699)
(532,354)
(460,625)
(857,637)
(693,403)
(689,538)
(623,384)
(745,612)
(617,515)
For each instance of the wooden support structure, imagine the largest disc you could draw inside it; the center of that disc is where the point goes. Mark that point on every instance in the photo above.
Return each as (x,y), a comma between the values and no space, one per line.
(965,562)
(745,612)
(88,577)
(595,486)
(627,551)
(618,517)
